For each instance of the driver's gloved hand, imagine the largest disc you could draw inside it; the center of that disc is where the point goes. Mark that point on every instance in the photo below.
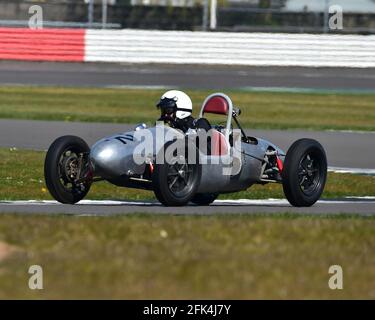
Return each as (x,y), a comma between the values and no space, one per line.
(202,123)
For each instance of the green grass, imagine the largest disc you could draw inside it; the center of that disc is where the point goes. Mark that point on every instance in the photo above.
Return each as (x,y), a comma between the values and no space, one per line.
(181,257)
(260,109)
(21,178)
(198,257)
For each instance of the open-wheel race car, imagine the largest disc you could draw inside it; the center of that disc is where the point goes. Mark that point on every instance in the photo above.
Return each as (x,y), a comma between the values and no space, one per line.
(231,162)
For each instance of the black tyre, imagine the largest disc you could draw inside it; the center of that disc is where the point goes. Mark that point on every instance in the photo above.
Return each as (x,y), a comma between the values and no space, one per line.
(176,180)
(204,199)
(65,164)
(305,172)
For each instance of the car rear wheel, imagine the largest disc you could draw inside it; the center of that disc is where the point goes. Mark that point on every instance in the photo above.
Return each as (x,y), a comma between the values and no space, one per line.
(305,172)
(176,180)
(67,170)
(204,199)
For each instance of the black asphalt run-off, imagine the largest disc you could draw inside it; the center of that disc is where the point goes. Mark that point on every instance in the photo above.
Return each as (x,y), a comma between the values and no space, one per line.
(184,76)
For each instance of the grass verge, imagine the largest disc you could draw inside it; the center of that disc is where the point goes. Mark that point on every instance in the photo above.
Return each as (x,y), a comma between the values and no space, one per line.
(21,178)
(260,109)
(198,257)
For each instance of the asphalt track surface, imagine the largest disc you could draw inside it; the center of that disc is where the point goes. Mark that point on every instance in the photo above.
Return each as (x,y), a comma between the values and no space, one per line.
(365,207)
(184,76)
(344,149)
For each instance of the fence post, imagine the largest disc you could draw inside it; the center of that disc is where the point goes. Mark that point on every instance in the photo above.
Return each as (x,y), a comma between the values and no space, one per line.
(213,14)
(205,15)
(326,16)
(104,13)
(91,12)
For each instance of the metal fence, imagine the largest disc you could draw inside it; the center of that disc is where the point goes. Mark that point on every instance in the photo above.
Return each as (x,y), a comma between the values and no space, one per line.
(218,15)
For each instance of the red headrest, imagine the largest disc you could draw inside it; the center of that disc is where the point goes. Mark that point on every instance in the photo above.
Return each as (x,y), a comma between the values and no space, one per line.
(216,104)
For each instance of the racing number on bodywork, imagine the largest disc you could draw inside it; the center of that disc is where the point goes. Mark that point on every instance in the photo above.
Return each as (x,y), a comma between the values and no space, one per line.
(124,138)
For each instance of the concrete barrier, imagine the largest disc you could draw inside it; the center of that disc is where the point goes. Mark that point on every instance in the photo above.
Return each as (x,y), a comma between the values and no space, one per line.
(257,49)
(185,47)
(42,45)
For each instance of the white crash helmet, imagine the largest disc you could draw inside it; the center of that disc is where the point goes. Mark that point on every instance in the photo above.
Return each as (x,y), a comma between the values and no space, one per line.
(182,101)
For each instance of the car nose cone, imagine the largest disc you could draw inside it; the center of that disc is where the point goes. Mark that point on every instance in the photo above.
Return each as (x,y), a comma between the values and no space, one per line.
(104,158)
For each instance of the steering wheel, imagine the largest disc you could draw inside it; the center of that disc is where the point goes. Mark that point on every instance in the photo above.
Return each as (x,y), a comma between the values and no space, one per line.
(219,127)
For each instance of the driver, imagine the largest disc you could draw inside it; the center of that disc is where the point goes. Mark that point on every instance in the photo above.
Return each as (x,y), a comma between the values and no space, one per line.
(175,110)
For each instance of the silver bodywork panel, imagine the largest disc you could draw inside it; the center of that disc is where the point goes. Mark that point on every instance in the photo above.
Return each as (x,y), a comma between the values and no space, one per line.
(112,159)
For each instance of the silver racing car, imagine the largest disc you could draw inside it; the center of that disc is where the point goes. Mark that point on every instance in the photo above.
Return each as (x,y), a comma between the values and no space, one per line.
(195,166)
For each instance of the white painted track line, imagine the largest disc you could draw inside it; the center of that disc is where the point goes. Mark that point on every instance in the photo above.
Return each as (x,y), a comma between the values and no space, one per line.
(362,171)
(228,202)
